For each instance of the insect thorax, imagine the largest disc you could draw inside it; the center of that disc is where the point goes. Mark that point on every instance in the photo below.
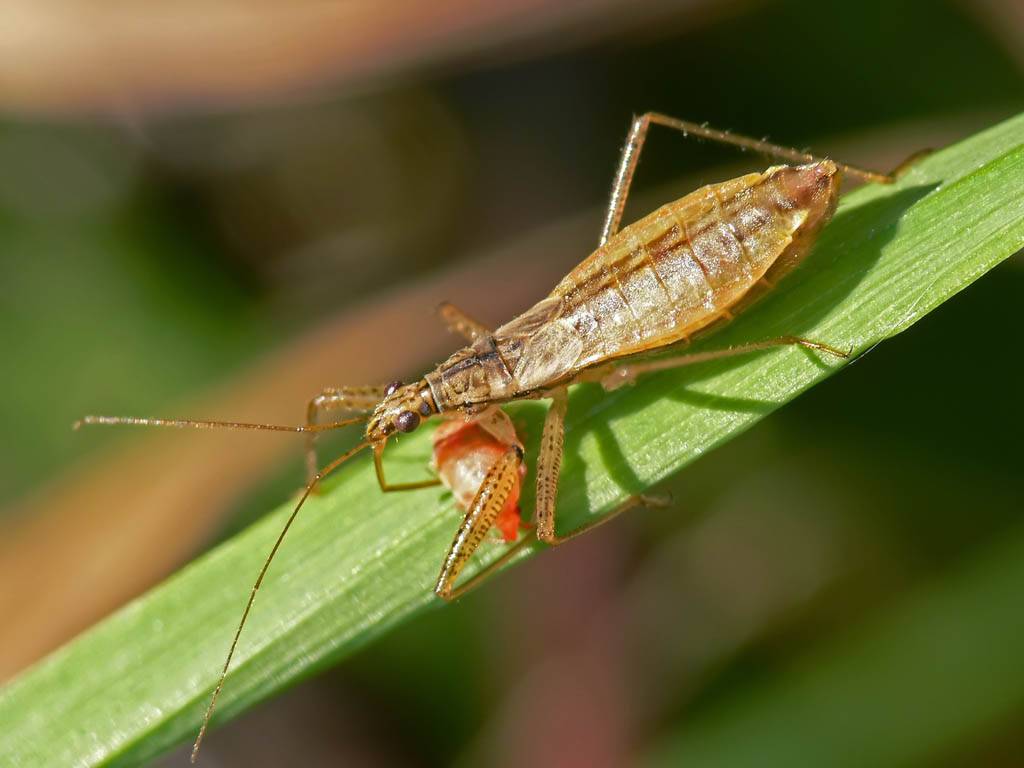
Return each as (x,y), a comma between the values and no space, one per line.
(474,375)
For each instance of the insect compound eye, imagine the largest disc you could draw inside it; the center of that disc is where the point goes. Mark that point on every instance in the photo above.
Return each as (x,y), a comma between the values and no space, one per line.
(407,421)
(391,388)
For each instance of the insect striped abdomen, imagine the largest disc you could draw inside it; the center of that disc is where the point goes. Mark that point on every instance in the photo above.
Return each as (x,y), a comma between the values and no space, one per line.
(676,271)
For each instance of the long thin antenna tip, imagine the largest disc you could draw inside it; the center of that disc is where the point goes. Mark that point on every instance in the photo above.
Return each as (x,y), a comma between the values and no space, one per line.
(197,424)
(259,580)
(97,420)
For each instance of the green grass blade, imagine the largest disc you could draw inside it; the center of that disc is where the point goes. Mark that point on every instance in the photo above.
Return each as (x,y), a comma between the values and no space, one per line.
(906,688)
(358,561)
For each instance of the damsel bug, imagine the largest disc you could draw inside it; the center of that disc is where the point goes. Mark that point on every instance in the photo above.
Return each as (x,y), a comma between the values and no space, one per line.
(658,282)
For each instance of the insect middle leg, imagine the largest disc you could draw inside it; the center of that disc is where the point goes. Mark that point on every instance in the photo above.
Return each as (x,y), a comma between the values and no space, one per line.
(638,135)
(458,322)
(549,464)
(352,399)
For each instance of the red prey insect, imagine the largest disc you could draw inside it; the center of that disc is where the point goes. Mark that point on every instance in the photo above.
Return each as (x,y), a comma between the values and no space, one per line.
(463,453)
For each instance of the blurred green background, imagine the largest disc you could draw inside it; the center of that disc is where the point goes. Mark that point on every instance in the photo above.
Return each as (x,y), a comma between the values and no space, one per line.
(824,590)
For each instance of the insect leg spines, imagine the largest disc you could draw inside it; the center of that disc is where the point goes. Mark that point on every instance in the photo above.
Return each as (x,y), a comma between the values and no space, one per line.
(548,467)
(489,500)
(638,135)
(757,145)
(549,464)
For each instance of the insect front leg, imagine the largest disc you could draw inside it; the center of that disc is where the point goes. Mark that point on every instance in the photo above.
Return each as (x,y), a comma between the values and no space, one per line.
(488,502)
(613,377)
(378,463)
(353,399)
(458,322)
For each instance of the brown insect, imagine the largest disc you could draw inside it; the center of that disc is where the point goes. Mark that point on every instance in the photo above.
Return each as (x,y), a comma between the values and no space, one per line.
(675,273)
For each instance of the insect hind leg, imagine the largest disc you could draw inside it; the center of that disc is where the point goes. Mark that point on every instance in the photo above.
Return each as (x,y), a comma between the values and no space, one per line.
(615,376)
(638,135)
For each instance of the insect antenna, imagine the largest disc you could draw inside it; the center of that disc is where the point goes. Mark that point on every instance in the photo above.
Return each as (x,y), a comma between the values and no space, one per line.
(259,580)
(213,424)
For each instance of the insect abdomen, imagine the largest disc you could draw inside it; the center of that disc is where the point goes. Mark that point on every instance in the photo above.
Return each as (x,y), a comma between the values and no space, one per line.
(674,272)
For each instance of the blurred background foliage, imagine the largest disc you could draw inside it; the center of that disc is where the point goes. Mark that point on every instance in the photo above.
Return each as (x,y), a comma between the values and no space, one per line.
(198,231)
